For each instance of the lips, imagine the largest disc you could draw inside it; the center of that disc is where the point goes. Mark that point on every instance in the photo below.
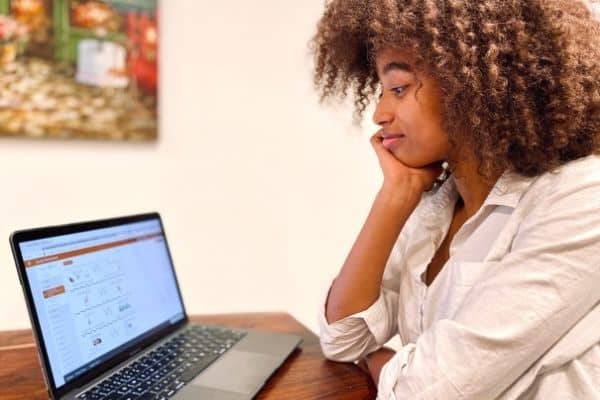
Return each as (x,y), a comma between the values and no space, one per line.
(390,140)
(390,136)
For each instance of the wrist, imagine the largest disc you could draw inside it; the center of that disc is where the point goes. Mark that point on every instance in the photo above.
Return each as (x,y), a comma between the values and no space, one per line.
(399,195)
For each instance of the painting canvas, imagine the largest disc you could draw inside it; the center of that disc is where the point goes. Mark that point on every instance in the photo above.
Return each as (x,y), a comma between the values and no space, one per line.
(85,69)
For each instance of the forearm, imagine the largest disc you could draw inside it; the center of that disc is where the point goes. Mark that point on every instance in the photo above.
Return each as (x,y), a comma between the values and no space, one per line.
(358,284)
(376,360)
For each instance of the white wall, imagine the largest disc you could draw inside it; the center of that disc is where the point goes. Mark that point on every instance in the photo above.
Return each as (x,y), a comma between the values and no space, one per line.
(262,190)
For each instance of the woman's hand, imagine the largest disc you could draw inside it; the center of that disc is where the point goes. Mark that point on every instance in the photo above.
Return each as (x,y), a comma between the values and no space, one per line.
(376,360)
(396,174)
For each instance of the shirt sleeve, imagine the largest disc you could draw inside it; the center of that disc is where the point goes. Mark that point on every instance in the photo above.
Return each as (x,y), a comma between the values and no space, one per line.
(523,304)
(355,336)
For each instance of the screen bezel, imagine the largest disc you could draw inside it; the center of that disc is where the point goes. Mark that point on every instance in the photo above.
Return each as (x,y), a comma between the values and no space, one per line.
(26,235)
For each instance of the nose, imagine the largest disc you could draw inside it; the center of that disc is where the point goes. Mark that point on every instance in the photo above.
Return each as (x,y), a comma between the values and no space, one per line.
(384,112)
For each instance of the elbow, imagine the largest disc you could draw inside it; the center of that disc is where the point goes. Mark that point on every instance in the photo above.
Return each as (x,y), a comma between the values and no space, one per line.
(337,353)
(346,349)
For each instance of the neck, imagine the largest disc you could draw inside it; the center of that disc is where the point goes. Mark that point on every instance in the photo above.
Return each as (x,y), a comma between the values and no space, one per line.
(472,187)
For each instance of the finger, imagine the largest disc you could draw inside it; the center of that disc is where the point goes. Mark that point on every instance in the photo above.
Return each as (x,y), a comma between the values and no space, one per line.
(377,136)
(382,153)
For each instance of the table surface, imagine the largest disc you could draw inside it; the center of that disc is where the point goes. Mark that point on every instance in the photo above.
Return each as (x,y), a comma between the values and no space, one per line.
(305,375)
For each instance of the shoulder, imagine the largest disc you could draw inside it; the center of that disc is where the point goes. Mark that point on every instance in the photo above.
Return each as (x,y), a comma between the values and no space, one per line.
(563,201)
(586,168)
(577,176)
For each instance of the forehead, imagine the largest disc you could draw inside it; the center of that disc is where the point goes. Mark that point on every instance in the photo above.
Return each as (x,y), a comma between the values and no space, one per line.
(390,59)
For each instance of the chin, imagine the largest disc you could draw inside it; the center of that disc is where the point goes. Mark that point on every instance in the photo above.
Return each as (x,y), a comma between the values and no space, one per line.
(413,162)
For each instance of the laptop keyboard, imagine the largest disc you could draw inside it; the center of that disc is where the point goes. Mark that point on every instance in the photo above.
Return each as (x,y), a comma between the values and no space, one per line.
(166,369)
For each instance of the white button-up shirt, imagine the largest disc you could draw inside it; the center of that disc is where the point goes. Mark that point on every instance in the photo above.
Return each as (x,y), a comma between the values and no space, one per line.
(514,313)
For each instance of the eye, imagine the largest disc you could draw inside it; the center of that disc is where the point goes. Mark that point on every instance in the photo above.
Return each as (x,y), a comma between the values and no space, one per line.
(399,90)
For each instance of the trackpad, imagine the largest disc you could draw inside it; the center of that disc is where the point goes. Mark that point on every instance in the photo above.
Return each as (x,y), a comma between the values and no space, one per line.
(238,371)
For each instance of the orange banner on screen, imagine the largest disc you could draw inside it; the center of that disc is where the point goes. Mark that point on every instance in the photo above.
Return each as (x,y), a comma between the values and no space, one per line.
(54,291)
(74,253)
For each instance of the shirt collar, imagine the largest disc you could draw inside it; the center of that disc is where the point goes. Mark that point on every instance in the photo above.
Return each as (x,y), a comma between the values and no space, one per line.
(438,206)
(507,191)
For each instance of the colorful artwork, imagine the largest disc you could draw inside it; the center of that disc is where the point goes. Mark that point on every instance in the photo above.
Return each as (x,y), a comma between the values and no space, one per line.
(79,69)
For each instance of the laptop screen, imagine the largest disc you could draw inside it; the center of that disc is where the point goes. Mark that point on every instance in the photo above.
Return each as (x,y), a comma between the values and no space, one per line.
(99,291)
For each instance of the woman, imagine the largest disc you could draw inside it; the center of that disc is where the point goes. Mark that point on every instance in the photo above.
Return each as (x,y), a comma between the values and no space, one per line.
(490,272)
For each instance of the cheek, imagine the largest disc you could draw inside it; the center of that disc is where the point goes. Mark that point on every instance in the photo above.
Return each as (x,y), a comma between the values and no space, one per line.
(426,147)
(428,135)
(438,141)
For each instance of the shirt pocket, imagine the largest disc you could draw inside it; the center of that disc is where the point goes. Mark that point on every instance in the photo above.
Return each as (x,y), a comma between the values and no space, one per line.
(455,281)
(468,273)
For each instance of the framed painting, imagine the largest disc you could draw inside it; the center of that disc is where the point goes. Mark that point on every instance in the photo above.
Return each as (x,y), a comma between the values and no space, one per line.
(83,69)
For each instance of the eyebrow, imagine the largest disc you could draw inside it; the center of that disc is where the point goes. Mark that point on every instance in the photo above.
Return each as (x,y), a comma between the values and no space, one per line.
(397,66)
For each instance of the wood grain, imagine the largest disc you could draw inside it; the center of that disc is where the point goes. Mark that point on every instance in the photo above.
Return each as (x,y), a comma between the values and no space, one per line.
(305,375)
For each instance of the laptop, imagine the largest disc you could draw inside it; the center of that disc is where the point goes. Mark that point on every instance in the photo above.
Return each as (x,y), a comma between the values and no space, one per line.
(109,320)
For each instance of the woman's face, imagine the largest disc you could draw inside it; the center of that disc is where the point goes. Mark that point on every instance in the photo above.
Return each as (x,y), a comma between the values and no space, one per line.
(409,111)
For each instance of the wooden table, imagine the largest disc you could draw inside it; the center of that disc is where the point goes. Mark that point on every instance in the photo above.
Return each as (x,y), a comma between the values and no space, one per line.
(305,375)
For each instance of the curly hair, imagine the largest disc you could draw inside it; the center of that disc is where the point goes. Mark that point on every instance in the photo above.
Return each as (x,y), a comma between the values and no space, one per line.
(520,79)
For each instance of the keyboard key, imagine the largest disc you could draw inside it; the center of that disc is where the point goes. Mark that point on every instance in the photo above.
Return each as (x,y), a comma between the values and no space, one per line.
(123,389)
(147,396)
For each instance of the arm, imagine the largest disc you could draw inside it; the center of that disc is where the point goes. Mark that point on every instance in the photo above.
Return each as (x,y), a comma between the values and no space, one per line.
(358,283)
(360,311)
(357,335)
